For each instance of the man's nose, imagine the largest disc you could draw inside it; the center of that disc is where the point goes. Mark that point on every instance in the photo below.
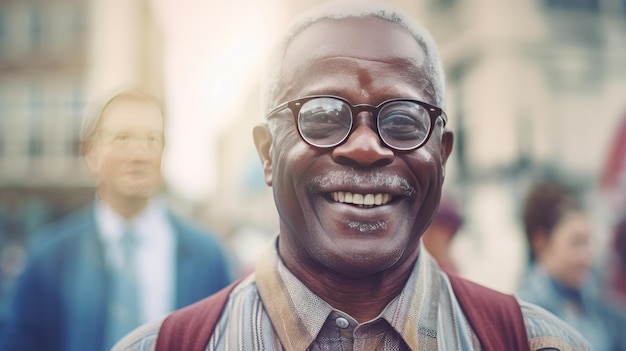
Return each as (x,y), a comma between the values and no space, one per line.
(363,147)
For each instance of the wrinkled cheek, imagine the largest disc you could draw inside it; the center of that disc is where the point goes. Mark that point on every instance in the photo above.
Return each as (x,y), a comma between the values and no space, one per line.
(429,175)
(282,183)
(288,179)
(288,157)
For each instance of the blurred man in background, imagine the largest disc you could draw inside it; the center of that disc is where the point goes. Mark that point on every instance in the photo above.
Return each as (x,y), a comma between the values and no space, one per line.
(126,259)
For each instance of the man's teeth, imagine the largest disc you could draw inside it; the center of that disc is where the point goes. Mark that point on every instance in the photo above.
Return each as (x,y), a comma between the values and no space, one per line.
(361,199)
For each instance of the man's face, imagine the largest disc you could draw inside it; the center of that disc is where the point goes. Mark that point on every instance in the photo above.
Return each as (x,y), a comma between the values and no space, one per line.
(125,154)
(365,61)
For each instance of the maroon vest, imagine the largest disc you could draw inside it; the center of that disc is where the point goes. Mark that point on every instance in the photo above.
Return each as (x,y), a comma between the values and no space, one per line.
(496,318)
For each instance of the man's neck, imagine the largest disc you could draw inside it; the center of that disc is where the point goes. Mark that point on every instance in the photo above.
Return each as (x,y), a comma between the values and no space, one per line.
(362,298)
(126,208)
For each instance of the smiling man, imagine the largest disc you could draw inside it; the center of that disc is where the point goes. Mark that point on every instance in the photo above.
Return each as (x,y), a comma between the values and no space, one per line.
(354,148)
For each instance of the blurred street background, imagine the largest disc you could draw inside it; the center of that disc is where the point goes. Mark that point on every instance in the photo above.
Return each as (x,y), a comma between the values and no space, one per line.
(535,88)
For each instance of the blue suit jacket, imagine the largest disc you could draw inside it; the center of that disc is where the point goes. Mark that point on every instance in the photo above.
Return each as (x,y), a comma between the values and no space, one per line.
(61,298)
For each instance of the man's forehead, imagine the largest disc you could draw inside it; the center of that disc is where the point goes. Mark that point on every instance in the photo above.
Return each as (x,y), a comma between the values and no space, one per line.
(124,102)
(333,47)
(366,37)
(129,112)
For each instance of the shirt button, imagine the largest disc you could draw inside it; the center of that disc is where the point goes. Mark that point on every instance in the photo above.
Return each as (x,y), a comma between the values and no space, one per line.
(342,322)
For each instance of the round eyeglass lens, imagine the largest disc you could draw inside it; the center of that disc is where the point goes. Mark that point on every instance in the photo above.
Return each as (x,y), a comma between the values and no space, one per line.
(403,125)
(324,122)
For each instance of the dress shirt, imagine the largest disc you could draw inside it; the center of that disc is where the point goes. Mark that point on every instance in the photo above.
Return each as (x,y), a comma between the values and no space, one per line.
(155,254)
(273,310)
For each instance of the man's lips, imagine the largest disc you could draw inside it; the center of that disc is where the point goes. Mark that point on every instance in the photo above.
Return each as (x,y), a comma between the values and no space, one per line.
(347,197)
(138,171)
(361,190)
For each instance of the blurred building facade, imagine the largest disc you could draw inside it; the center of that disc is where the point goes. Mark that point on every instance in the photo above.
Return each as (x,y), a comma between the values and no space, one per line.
(54,57)
(535,89)
(43,62)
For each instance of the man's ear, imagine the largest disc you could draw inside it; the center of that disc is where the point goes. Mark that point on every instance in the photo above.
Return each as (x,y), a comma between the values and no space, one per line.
(263,142)
(90,159)
(447,141)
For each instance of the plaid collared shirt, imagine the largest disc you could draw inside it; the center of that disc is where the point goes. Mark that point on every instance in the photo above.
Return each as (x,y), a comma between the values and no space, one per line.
(273,310)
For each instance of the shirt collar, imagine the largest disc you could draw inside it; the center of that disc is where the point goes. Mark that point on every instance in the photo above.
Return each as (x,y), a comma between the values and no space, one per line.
(112,226)
(298,314)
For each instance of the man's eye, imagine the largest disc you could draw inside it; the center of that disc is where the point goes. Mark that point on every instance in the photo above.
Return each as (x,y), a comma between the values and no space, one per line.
(320,125)
(401,120)
(154,139)
(121,139)
(404,127)
(325,117)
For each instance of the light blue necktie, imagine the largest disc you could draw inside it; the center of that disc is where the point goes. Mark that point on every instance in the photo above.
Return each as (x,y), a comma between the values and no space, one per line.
(124,299)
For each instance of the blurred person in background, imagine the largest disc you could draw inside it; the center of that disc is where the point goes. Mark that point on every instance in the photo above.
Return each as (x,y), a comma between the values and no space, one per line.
(559,234)
(126,259)
(440,233)
(617,271)
(609,274)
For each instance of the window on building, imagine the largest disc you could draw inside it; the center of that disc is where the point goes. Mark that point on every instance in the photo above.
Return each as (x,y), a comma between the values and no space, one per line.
(446,3)
(35,28)
(76,106)
(576,23)
(582,5)
(2,28)
(35,111)
(442,4)
(3,113)
(76,24)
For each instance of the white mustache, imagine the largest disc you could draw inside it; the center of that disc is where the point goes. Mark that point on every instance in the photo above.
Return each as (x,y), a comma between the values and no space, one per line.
(343,179)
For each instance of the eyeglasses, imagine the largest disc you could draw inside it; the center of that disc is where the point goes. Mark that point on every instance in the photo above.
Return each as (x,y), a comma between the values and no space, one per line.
(326,121)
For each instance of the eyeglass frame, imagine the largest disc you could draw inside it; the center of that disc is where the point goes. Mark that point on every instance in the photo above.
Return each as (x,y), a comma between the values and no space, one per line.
(295,106)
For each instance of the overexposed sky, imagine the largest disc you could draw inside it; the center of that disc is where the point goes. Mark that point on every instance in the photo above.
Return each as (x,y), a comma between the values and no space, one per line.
(213,51)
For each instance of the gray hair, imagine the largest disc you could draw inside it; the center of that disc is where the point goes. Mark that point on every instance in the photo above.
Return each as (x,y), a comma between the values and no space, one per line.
(95,110)
(338,10)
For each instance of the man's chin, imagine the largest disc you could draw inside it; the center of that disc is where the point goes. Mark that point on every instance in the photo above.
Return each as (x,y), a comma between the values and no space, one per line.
(362,260)
(138,194)
(138,188)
